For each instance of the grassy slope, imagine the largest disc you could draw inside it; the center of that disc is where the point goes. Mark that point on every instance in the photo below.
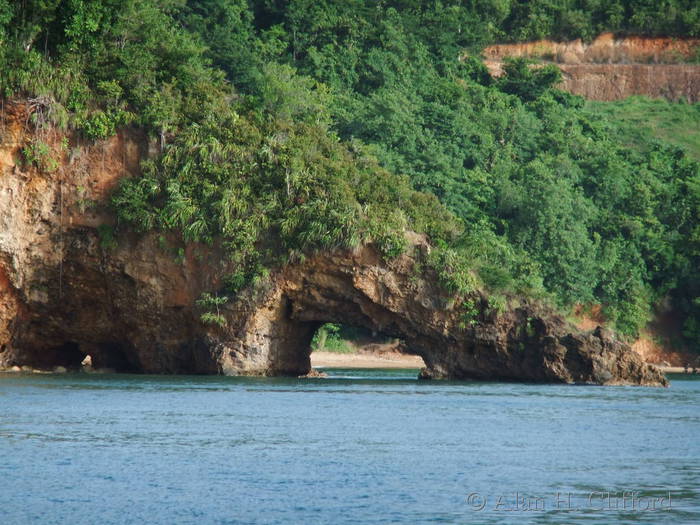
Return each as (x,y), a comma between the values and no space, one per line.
(641,119)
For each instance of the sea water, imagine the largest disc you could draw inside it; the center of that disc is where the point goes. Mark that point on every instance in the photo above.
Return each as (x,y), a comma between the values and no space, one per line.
(358,447)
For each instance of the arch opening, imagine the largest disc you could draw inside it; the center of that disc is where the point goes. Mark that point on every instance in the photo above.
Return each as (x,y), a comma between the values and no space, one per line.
(345,338)
(344,345)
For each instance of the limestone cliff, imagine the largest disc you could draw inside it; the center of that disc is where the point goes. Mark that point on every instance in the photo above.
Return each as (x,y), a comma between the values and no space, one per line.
(68,290)
(612,68)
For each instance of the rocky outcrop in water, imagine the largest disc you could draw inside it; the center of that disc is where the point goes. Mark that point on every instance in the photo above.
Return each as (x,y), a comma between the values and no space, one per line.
(68,289)
(612,68)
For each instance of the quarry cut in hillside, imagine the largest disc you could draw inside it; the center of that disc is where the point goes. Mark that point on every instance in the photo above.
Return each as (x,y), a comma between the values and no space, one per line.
(69,290)
(611,68)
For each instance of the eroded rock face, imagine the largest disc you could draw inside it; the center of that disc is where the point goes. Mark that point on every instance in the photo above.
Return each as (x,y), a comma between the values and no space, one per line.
(525,343)
(67,291)
(606,49)
(612,68)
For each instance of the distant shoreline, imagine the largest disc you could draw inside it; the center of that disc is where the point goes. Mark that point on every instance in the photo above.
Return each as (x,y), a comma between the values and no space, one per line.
(675,370)
(395,360)
(359,360)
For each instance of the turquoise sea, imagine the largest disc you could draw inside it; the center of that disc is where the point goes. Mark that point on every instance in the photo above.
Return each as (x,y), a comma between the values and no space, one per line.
(359,447)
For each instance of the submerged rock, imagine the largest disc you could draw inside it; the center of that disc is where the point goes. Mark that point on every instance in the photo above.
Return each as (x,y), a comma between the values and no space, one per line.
(314,374)
(130,306)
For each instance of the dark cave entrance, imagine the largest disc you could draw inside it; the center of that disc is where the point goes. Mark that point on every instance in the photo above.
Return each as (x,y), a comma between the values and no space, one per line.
(67,355)
(113,356)
(75,356)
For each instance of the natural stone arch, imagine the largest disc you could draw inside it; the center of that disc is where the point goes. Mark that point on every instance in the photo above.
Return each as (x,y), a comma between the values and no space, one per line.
(526,343)
(132,309)
(131,306)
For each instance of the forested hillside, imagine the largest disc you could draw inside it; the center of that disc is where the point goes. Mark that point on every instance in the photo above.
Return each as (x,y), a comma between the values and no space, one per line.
(287,127)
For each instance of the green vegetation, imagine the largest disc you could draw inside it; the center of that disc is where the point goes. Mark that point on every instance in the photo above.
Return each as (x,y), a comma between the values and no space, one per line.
(37,153)
(331,338)
(344,339)
(642,122)
(568,19)
(211,306)
(107,237)
(289,127)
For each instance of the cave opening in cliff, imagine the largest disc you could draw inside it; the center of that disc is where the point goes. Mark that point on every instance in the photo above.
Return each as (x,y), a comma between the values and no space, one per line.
(113,356)
(67,355)
(74,356)
(368,347)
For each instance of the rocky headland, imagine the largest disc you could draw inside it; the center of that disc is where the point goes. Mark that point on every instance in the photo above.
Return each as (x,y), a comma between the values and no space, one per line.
(68,290)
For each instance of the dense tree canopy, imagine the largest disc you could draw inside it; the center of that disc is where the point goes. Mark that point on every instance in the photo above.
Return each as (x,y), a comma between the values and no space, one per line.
(291,126)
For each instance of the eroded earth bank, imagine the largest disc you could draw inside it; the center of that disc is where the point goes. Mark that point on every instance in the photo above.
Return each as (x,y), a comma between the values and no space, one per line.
(612,68)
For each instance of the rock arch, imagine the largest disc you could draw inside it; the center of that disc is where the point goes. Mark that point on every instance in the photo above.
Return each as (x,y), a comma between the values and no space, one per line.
(526,343)
(132,310)
(65,295)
